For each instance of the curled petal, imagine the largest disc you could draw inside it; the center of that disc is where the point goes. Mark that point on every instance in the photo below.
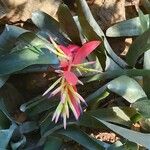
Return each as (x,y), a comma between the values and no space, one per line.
(84,51)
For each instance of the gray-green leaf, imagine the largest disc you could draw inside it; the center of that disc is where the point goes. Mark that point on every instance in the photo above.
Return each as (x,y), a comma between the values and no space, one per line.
(30,50)
(139,46)
(127,87)
(131,27)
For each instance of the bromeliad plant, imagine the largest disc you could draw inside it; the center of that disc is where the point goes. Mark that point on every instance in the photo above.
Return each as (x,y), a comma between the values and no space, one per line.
(77,52)
(71,58)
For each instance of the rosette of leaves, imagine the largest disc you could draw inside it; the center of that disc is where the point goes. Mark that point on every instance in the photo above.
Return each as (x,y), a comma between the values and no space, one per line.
(23,51)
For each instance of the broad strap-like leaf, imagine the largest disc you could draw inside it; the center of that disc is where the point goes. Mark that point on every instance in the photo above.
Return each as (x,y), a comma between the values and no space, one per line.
(53,143)
(87,21)
(76,19)
(94,103)
(4,110)
(90,28)
(80,137)
(139,46)
(68,24)
(9,35)
(19,144)
(28,127)
(8,38)
(49,25)
(93,32)
(30,50)
(146,79)
(4,121)
(38,105)
(123,146)
(96,94)
(128,72)
(142,106)
(117,115)
(3,79)
(127,87)
(5,136)
(145,23)
(35,68)
(116,73)
(131,27)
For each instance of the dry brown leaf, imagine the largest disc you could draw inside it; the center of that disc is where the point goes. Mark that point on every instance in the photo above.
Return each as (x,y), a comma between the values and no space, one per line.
(108,12)
(21,10)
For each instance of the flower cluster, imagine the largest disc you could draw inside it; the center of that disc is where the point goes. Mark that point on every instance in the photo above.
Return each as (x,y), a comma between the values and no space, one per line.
(71,58)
